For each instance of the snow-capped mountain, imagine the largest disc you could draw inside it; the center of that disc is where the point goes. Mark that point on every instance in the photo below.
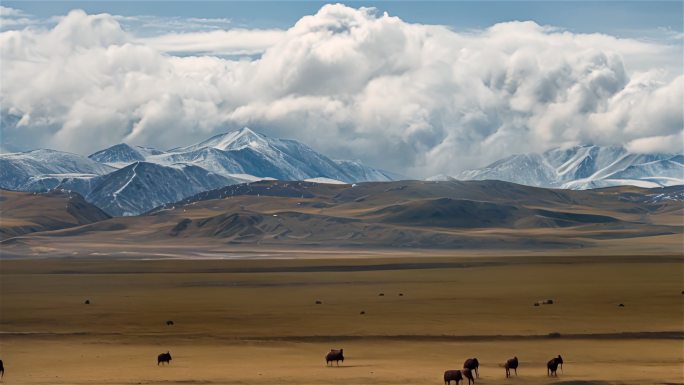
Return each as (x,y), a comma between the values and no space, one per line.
(129,180)
(583,167)
(123,154)
(248,155)
(118,154)
(142,186)
(40,170)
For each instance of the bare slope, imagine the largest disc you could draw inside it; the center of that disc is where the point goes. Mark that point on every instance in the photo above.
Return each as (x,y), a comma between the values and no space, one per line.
(474,215)
(22,212)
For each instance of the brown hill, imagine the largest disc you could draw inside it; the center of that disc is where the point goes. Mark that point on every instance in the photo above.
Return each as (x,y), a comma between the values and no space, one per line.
(23,212)
(474,215)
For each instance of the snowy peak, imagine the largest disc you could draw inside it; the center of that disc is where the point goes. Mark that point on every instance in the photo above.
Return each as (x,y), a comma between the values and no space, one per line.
(56,162)
(247,152)
(122,154)
(129,180)
(583,167)
(119,153)
(39,170)
(232,140)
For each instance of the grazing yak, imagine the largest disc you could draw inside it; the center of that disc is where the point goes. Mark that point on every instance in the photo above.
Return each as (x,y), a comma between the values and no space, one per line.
(452,375)
(512,363)
(468,373)
(552,366)
(472,364)
(164,357)
(2,369)
(334,355)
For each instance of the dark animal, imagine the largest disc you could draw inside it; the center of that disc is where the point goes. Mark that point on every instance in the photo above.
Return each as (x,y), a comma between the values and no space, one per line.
(512,363)
(169,323)
(621,305)
(87,302)
(452,375)
(362,312)
(472,364)
(164,357)
(2,369)
(552,366)
(319,303)
(334,355)
(381,294)
(401,294)
(468,373)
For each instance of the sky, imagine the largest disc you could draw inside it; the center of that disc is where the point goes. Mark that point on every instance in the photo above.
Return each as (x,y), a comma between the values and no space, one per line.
(418,88)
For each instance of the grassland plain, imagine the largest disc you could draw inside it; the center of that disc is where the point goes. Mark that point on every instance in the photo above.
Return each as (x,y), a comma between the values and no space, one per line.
(256,321)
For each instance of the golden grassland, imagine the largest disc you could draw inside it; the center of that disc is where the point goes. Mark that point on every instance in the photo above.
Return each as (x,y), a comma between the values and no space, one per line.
(256,321)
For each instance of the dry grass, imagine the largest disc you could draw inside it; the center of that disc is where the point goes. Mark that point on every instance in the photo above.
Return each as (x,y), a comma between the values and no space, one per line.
(254,322)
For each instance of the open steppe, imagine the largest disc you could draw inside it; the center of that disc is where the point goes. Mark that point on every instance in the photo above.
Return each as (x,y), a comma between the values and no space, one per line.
(255,321)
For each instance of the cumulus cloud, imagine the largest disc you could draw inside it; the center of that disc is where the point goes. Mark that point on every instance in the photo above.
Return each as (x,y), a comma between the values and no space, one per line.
(352,83)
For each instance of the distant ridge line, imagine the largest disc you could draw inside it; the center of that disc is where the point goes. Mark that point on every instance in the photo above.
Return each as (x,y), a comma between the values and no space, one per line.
(653,335)
(659,335)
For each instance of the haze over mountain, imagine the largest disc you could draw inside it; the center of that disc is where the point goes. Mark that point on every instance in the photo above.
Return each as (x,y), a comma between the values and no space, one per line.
(129,180)
(582,167)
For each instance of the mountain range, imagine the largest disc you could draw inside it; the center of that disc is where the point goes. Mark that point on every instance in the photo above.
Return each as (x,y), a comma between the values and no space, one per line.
(582,167)
(125,180)
(129,180)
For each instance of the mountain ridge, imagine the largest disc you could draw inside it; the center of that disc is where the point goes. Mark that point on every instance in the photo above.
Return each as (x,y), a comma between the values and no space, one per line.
(233,157)
(582,167)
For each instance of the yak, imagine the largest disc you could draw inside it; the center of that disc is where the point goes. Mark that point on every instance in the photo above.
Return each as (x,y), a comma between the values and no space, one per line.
(552,366)
(334,355)
(472,364)
(452,375)
(512,363)
(164,357)
(468,373)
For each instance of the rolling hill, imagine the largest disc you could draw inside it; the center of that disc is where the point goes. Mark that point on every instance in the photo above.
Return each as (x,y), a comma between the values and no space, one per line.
(474,215)
(23,213)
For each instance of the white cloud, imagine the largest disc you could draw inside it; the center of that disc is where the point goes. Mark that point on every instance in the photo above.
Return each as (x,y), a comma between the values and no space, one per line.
(415,99)
(671,143)
(217,43)
(11,12)
(11,18)
(154,25)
